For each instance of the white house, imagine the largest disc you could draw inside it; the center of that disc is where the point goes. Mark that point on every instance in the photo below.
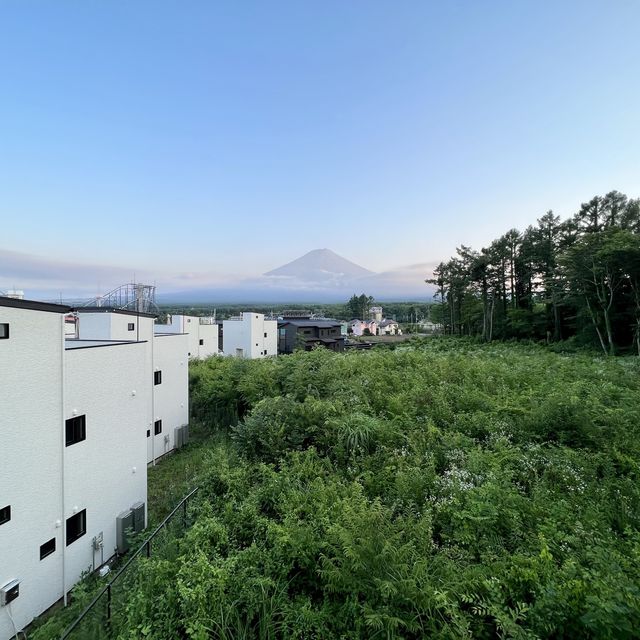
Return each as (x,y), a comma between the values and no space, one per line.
(250,336)
(74,415)
(390,328)
(202,332)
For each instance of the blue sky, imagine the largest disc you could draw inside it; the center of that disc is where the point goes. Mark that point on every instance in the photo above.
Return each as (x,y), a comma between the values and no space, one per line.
(202,142)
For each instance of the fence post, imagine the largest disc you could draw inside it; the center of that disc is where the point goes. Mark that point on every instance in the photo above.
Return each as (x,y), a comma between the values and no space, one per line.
(184,514)
(109,604)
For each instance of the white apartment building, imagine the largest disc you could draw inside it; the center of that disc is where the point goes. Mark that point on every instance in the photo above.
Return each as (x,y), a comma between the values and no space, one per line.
(202,332)
(166,357)
(82,412)
(250,336)
(74,454)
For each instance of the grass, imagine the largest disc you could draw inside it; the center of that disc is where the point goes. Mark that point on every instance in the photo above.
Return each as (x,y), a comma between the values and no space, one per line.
(177,474)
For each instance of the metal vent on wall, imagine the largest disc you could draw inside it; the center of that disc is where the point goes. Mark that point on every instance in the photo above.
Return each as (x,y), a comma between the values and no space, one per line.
(9,592)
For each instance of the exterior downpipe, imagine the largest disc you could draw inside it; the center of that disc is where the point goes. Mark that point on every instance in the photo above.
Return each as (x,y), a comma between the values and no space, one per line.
(153,396)
(63,521)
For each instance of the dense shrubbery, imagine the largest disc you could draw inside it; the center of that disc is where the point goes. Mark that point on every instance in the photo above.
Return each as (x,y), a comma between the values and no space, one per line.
(440,489)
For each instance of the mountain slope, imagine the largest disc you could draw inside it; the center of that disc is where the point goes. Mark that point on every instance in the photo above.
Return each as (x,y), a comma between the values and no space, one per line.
(320,265)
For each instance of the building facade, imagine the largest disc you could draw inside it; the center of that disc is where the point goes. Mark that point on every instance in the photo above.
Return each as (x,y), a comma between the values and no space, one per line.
(308,333)
(202,332)
(90,397)
(74,454)
(250,336)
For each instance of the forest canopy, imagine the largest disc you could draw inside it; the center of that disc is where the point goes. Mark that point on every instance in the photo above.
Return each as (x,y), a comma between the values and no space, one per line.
(576,279)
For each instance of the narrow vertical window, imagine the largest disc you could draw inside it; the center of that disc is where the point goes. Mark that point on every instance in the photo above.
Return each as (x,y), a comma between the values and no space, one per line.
(4,330)
(75,430)
(157,377)
(157,427)
(5,514)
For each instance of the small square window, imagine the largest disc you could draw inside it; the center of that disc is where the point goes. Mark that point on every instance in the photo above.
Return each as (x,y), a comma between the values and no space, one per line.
(201,341)
(5,514)
(76,526)
(157,377)
(47,548)
(157,427)
(76,430)
(131,326)
(4,330)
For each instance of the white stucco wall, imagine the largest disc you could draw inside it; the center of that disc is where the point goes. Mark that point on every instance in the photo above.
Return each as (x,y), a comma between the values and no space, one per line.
(171,396)
(106,473)
(114,325)
(31,444)
(44,481)
(209,336)
(197,332)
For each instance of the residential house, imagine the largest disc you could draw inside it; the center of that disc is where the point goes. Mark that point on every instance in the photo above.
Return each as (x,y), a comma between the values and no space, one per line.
(360,327)
(306,333)
(390,328)
(250,335)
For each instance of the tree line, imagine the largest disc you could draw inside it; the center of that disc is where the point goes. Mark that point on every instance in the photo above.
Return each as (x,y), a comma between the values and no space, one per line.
(575,279)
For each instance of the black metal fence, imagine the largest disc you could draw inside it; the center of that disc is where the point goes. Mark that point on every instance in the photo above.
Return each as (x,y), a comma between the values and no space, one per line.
(96,618)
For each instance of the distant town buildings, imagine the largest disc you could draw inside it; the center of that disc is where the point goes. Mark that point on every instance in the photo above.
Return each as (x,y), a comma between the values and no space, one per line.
(375,325)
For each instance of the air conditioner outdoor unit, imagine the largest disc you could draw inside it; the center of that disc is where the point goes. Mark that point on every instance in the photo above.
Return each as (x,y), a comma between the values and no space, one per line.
(123,522)
(138,516)
(178,437)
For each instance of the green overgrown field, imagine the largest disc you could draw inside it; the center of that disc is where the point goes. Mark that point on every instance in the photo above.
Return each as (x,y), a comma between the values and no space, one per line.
(438,489)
